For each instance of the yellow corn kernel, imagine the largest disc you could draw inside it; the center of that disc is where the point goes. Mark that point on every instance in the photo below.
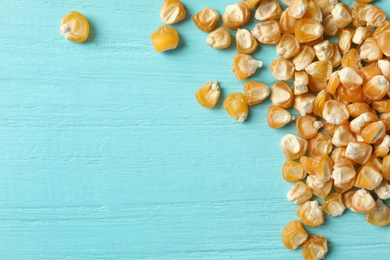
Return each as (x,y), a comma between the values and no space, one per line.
(172,11)
(369,177)
(376,162)
(344,174)
(251,3)
(320,69)
(304,57)
(301,80)
(255,92)
(293,147)
(362,121)
(236,15)
(359,12)
(350,78)
(363,202)
(287,23)
(384,66)
(369,72)
(282,69)
(315,248)
(304,103)
(317,85)
(288,46)
(376,88)
(206,19)
(383,148)
(165,38)
(358,152)
(313,11)
(236,106)
(311,213)
(373,132)
(335,112)
(382,106)
(383,43)
(281,95)
(293,171)
(330,27)
(343,136)
(307,165)
(297,8)
(320,189)
(307,30)
(384,27)
(338,155)
(268,10)
(278,117)
(375,16)
(333,83)
(380,216)
(341,15)
(326,6)
(329,128)
(383,190)
(351,60)
(348,199)
(299,193)
(361,34)
(385,118)
(308,126)
(322,166)
(208,95)
(356,109)
(369,50)
(336,57)
(74,27)
(267,32)
(294,235)
(219,38)
(246,43)
(324,50)
(345,39)
(245,66)
(333,204)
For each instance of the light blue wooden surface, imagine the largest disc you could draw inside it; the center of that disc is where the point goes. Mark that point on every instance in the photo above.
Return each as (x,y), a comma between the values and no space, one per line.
(105,154)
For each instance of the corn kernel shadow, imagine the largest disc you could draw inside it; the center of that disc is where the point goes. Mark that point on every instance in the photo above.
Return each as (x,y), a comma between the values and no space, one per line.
(92,32)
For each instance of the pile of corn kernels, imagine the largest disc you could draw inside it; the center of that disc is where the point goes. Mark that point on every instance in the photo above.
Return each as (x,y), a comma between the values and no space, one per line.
(341,87)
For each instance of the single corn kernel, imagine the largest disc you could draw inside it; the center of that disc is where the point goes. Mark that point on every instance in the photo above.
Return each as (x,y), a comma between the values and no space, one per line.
(319,103)
(236,15)
(384,27)
(333,205)
(297,8)
(382,106)
(344,174)
(363,202)
(304,57)
(294,235)
(208,95)
(311,213)
(356,109)
(383,148)
(268,10)
(369,177)
(236,106)
(376,162)
(301,80)
(251,3)
(324,50)
(350,95)
(299,193)
(326,6)
(304,103)
(278,117)
(341,15)
(165,38)
(369,72)
(267,32)
(329,128)
(343,136)
(307,30)
(282,69)
(293,171)
(383,190)
(386,167)
(315,248)
(246,44)
(313,11)
(350,78)
(358,152)
(352,60)
(317,85)
(373,132)
(336,57)
(338,155)
(376,88)
(330,27)
(219,38)
(206,19)
(383,43)
(333,83)
(375,16)
(380,216)
(385,118)
(320,189)
(362,121)
(320,69)
(245,66)
(348,199)
(288,46)
(74,27)
(369,50)
(172,11)
(335,112)
(293,147)
(345,39)
(361,34)
(384,66)
(281,95)
(307,165)
(359,12)
(287,23)
(255,92)
(322,166)
(308,126)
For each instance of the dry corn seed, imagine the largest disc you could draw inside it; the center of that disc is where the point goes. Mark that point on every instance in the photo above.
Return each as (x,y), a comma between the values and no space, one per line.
(356,109)
(383,43)
(307,126)
(373,132)
(304,57)
(335,112)
(382,106)
(246,44)
(386,167)
(281,95)
(172,11)
(304,103)
(324,50)
(206,19)
(338,155)
(307,164)
(236,106)
(268,10)
(219,38)
(369,72)
(375,16)
(320,189)
(288,46)
(348,199)
(343,136)
(344,174)
(245,66)
(236,15)
(282,69)
(384,66)
(165,38)
(345,39)
(380,216)
(358,152)
(330,27)
(359,12)
(251,3)
(307,30)
(311,213)
(278,117)
(301,80)
(293,171)
(208,95)
(384,27)
(297,8)
(369,50)
(255,92)
(351,60)
(294,235)
(383,190)
(299,193)
(369,177)
(287,23)
(361,34)
(363,202)
(333,205)
(341,15)
(74,27)
(322,166)
(293,147)
(286,2)
(333,83)
(326,6)
(313,11)
(362,121)
(315,248)
(267,32)
(320,70)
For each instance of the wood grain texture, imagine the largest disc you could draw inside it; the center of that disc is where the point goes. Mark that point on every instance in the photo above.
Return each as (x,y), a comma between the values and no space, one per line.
(105,153)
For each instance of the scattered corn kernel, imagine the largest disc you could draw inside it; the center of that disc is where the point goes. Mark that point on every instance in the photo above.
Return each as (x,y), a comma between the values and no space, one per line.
(293,171)
(165,38)
(304,57)
(172,11)
(344,173)
(297,8)
(206,19)
(330,27)
(307,30)
(281,95)
(236,15)
(369,50)
(362,121)
(345,39)
(333,205)
(282,69)
(311,213)
(293,147)
(369,177)
(383,190)
(251,3)
(307,165)
(322,166)
(268,10)
(363,202)
(236,106)
(278,117)
(287,23)
(255,92)
(208,95)
(304,103)
(267,32)
(299,193)
(320,189)
(348,199)
(301,80)
(308,126)
(219,38)
(383,148)
(288,46)
(246,44)
(380,216)
(335,112)
(375,16)
(320,69)
(313,11)
(245,66)
(343,136)
(359,12)
(315,248)
(374,132)
(294,235)
(74,27)
(341,15)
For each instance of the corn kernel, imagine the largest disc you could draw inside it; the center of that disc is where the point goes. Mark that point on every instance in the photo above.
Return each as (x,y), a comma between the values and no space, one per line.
(335,112)
(245,66)
(282,69)
(311,213)
(320,189)
(278,117)
(369,72)
(293,171)
(363,202)
(286,2)
(344,174)
(304,103)
(385,118)
(341,15)
(329,128)
(255,92)
(376,162)
(350,78)
(336,57)
(333,205)
(330,27)
(299,193)
(315,248)
(236,15)
(383,190)
(288,46)
(304,57)
(326,6)
(246,44)
(380,216)
(369,50)
(236,106)
(297,8)
(308,126)
(267,32)
(383,148)
(375,16)
(345,39)
(348,95)
(301,80)
(374,132)
(359,12)
(320,69)
(74,27)
(384,27)
(293,147)
(356,109)
(287,23)
(382,106)
(268,10)
(294,235)
(343,136)
(333,83)
(313,11)
(383,43)
(358,152)
(172,11)
(307,30)
(369,177)
(361,34)
(319,103)
(362,121)
(384,66)
(352,60)
(322,166)
(208,95)
(348,199)
(376,88)
(324,50)
(165,38)
(219,38)
(338,154)
(281,95)
(251,3)
(206,19)
(307,165)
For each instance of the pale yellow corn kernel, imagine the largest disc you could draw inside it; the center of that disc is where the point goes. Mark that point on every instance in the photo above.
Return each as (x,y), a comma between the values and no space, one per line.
(356,109)
(322,166)
(338,154)
(363,202)
(307,164)
(384,66)
(326,6)
(287,23)
(304,57)
(369,177)
(208,95)
(384,27)
(165,38)
(74,27)
(317,85)
(376,88)
(333,205)
(382,106)
(362,121)
(386,167)
(293,171)
(358,152)
(206,19)
(376,162)
(336,57)
(324,50)
(320,69)
(278,117)
(348,199)
(361,34)
(219,38)
(385,118)
(315,248)
(267,32)
(383,190)
(288,46)
(245,66)
(319,103)
(384,43)
(345,39)
(383,148)
(341,15)
(172,11)
(343,136)
(330,27)
(268,10)
(236,15)
(299,193)
(344,174)
(308,126)
(369,50)
(293,147)
(313,11)
(236,106)
(282,69)
(301,80)
(320,189)
(251,3)
(333,83)
(297,8)
(374,132)
(380,216)
(359,12)
(350,78)
(255,92)
(369,72)
(307,30)
(311,213)
(294,235)
(304,103)
(375,16)
(281,95)
(351,59)
(335,112)
(246,43)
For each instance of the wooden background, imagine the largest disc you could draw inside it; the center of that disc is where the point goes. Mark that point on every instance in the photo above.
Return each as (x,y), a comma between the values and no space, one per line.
(105,153)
